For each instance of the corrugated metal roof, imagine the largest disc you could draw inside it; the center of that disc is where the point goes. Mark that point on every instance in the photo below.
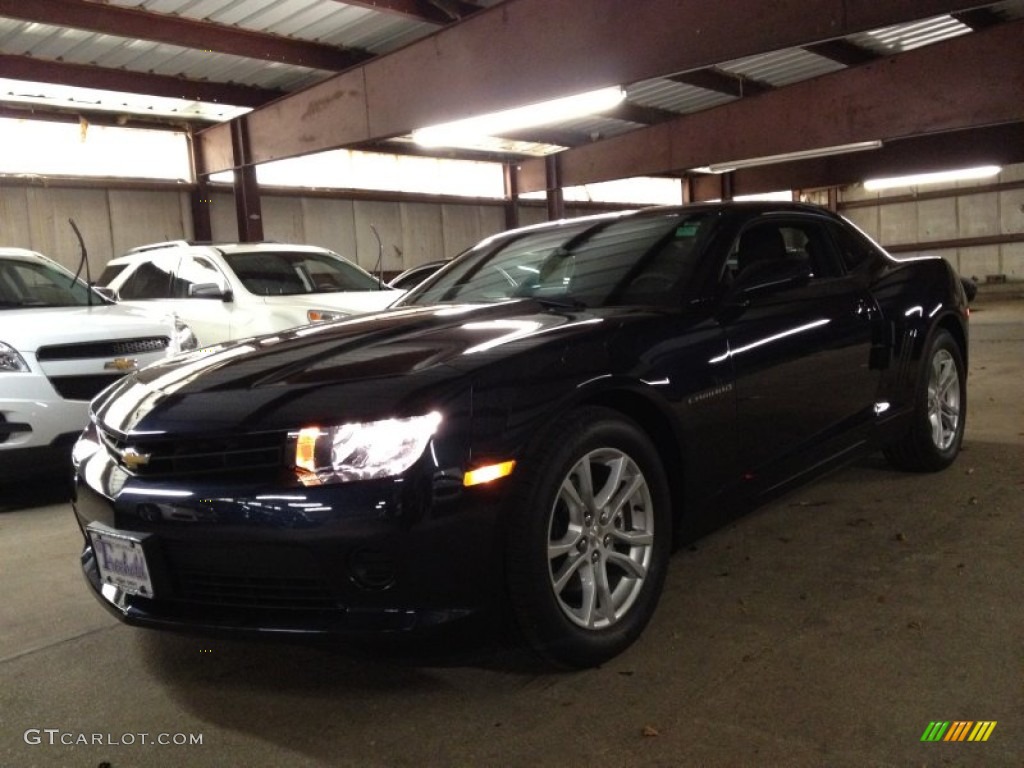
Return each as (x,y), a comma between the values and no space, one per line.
(78,47)
(343,25)
(325,21)
(675,97)
(782,68)
(906,37)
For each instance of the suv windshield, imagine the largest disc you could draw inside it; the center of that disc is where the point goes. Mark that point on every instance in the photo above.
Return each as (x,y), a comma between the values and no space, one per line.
(288,273)
(616,260)
(38,284)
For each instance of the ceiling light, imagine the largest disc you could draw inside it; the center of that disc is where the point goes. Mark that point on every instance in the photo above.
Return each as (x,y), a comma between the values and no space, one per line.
(786,157)
(964,174)
(460,132)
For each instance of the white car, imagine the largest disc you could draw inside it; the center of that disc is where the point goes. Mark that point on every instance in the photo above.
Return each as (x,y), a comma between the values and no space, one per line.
(233,291)
(60,344)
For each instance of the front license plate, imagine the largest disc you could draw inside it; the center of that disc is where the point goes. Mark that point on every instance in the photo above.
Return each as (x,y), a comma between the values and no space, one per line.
(121,560)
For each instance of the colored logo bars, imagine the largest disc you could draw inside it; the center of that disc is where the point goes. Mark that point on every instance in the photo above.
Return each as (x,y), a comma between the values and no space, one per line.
(958,730)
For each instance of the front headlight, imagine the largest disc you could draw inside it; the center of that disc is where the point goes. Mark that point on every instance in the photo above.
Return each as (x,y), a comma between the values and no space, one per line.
(11,361)
(361,451)
(325,315)
(184,340)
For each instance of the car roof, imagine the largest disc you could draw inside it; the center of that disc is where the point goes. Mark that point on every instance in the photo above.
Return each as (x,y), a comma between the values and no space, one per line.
(23,254)
(145,252)
(749,207)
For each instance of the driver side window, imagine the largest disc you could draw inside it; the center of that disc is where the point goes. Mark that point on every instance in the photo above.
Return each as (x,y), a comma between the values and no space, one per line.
(781,247)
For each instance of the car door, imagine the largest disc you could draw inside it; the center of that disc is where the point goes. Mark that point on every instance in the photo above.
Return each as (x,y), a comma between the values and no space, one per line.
(799,334)
(202,298)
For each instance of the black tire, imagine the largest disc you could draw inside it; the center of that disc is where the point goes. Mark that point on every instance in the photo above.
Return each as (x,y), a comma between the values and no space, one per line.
(940,410)
(584,605)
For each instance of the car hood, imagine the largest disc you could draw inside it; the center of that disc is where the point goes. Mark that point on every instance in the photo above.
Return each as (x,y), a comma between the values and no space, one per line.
(350,301)
(30,328)
(369,367)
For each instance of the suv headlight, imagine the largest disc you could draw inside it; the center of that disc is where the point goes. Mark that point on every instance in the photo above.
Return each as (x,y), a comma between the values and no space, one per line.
(325,315)
(361,451)
(11,361)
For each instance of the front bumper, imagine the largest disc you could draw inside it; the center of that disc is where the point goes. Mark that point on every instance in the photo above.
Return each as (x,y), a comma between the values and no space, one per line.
(252,554)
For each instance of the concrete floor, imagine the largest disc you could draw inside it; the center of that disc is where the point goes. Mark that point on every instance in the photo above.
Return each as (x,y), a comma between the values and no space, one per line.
(826,629)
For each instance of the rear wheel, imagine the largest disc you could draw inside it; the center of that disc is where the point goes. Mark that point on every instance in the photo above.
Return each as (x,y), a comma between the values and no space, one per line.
(589,538)
(940,410)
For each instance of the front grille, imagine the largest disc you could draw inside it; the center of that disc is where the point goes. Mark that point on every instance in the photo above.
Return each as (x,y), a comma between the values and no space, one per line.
(83,387)
(247,576)
(99,349)
(199,455)
(210,588)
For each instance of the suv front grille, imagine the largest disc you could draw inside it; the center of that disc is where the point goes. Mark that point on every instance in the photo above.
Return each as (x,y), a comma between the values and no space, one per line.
(97,349)
(198,455)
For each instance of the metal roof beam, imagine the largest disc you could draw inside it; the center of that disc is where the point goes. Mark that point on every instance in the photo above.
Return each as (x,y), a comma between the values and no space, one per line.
(991,145)
(972,80)
(720,81)
(516,53)
(637,113)
(843,52)
(432,11)
(88,76)
(184,32)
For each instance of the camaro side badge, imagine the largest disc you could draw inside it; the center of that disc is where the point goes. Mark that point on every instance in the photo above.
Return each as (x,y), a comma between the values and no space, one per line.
(708,394)
(132,459)
(121,364)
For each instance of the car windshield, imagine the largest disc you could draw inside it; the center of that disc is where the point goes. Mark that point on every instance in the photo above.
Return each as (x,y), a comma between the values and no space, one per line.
(608,261)
(26,283)
(288,273)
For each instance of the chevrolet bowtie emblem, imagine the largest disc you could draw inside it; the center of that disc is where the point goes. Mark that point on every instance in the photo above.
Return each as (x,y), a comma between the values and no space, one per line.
(121,364)
(132,459)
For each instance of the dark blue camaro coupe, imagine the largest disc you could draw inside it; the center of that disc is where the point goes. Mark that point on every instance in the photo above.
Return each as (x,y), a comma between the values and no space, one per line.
(530,430)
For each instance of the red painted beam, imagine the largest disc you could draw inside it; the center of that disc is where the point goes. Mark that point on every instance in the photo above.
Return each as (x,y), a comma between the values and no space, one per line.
(973,80)
(521,51)
(178,30)
(88,76)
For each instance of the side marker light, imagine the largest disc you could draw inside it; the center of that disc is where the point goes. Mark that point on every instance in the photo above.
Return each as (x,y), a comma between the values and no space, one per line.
(487,474)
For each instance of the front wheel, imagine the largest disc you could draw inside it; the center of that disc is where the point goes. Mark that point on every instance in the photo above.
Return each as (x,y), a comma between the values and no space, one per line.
(940,410)
(589,538)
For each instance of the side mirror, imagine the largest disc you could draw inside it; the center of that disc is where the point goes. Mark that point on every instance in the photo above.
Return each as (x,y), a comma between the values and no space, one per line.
(106,293)
(208,291)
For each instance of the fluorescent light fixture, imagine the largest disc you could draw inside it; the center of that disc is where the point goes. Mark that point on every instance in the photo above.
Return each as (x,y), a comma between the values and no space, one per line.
(786,157)
(460,132)
(964,174)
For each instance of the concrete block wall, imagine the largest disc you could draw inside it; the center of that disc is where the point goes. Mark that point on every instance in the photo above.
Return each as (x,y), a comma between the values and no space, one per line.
(969,209)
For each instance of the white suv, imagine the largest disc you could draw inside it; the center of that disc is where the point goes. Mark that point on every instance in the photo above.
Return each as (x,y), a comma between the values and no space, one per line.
(231,291)
(60,344)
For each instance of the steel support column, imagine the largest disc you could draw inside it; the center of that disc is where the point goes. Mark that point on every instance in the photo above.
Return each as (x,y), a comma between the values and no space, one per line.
(511,197)
(201,197)
(556,200)
(248,211)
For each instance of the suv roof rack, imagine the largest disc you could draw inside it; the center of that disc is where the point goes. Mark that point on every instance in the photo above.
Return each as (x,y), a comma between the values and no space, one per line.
(156,246)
